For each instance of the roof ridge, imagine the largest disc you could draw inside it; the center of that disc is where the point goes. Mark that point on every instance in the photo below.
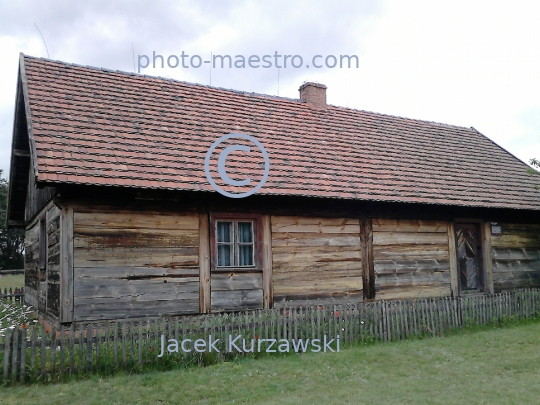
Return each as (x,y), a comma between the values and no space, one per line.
(102,69)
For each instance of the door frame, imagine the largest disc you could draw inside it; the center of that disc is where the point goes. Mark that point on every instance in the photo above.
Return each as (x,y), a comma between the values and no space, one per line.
(485,252)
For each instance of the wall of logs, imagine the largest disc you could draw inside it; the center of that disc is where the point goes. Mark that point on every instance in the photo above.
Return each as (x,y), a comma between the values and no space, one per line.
(516,256)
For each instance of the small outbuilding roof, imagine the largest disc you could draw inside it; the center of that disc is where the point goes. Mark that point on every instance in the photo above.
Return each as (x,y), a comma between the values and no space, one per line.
(95,126)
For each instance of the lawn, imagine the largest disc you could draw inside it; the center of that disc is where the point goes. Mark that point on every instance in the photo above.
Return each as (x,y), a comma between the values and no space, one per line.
(11,281)
(490,366)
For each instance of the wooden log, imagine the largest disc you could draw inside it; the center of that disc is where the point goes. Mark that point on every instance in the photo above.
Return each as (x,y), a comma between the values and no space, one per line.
(267,261)
(316,225)
(204,263)
(66,265)
(135,220)
(407,225)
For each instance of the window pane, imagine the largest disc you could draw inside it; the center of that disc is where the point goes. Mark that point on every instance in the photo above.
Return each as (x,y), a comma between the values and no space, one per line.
(224,231)
(224,255)
(245,232)
(245,255)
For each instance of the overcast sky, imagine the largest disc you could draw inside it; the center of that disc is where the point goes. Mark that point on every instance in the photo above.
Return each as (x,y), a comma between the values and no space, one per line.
(469,63)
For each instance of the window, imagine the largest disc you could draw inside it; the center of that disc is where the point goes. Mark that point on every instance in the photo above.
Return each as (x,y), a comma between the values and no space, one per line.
(234,242)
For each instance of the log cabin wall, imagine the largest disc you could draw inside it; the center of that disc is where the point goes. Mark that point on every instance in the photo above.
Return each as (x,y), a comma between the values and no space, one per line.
(411,258)
(516,256)
(135,264)
(42,263)
(315,260)
(53,261)
(31,263)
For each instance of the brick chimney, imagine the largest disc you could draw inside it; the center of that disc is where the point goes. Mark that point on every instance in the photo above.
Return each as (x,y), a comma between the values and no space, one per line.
(314,94)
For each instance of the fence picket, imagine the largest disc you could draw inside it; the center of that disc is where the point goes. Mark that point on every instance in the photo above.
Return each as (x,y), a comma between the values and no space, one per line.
(15,352)
(42,351)
(89,338)
(7,351)
(23,355)
(71,349)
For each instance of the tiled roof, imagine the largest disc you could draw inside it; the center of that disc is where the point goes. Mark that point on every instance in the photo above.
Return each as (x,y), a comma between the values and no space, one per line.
(102,127)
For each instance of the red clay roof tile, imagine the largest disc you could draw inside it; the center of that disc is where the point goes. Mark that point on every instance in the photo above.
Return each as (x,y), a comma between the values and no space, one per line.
(110,128)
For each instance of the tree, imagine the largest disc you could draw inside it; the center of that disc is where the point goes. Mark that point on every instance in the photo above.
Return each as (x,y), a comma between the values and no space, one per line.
(534,163)
(11,241)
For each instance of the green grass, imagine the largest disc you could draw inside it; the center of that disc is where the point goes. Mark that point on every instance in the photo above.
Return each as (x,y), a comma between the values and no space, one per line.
(11,281)
(489,365)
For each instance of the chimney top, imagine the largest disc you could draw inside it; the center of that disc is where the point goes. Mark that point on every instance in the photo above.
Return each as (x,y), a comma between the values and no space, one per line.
(314,94)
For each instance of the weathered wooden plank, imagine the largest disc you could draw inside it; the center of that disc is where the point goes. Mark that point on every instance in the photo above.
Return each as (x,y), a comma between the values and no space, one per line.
(204,263)
(515,267)
(417,291)
(514,242)
(135,290)
(452,255)
(136,220)
(395,238)
(303,287)
(237,281)
(315,275)
(237,300)
(134,273)
(411,251)
(407,266)
(119,257)
(267,261)
(282,301)
(411,279)
(97,238)
(294,239)
(66,265)
(487,260)
(407,225)
(513,254)
(116,310)
(306,266)
(319,252)
(314,225)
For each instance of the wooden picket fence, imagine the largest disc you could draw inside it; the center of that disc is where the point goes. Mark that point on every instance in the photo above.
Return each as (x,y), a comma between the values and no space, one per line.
(16,294)
(29,354)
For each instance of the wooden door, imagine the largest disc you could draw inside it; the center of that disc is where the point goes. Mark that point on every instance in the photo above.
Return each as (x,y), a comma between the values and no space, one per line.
(469,256)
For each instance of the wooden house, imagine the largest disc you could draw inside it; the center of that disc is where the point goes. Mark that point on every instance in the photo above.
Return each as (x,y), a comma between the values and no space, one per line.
(107,178)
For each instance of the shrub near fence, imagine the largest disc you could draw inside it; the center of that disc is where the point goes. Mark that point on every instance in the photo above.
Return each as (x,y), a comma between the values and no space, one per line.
(30,354)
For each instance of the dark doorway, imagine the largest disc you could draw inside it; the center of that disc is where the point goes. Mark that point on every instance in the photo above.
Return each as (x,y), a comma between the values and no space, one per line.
(469,256)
